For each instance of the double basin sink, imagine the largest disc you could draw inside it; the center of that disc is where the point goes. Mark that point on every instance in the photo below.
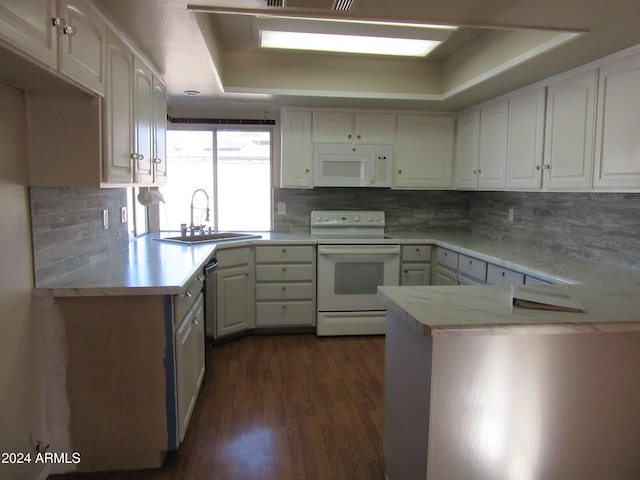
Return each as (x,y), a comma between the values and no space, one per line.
(209,238)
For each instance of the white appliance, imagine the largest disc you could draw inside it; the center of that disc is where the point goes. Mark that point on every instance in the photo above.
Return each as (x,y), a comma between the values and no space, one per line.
(343,165)
(354,258)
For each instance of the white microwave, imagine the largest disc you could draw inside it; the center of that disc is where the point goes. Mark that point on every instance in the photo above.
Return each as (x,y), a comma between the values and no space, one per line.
(343,165)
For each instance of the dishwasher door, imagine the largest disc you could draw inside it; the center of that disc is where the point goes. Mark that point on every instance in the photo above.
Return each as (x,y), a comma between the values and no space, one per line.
(210,297)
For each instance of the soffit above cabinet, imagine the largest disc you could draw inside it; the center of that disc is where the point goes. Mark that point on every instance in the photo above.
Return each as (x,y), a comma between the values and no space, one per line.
(210,46)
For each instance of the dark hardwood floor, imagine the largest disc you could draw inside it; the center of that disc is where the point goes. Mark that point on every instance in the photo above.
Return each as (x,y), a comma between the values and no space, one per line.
(282,407)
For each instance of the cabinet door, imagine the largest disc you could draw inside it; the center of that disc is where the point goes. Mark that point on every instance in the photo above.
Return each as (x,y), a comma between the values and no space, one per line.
(415,274)
(424,152)
(159,131)
(375,129)
(143,122)
(445,277)
(119,141)
(190,364)
(493,146)
(525,140)
(331,127)
(297,151)
(617,138)
(234,300)
(27,25)
(569,132)
(83,44)
(467,144)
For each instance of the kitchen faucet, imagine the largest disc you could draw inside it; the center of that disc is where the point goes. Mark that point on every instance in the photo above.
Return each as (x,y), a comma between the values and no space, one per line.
(192,226)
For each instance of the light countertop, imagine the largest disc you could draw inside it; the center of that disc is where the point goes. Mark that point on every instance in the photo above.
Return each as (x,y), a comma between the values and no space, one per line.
(483,310)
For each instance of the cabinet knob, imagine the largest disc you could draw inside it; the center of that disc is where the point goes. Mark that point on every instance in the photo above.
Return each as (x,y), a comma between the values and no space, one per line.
(538,168)
(349,136)
(359,137)
(306,170)
(284,250)
(446,254)
(188,294)
(58,21)
(547,166)
(196,320)
(284,289)
(400,172)
(470,262)
(284,269)
(284,307)
(502,274)
(201,278)
(69,30)
(157,160)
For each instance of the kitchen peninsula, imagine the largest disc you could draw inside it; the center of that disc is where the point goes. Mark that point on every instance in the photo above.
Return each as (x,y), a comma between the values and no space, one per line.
(477,388)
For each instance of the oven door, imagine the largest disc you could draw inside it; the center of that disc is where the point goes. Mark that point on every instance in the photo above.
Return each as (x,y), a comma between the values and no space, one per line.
(349,276)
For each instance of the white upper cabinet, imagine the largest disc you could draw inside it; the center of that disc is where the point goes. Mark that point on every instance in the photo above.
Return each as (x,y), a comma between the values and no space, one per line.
(569,132)
(68,35)
(296,165)
(617,162)
(119,134)
(28,26)
(143,123)
(467,143)
(83,44)
(423,156)
(525,137)
(366,128)
(493,146)
(159,97)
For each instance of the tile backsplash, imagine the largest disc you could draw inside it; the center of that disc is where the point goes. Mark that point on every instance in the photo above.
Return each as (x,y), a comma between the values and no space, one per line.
(67,228)
(406,211)
(598,226)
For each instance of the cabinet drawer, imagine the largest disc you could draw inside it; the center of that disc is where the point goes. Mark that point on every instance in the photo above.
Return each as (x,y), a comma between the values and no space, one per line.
(284,253)
(228,257)
(472,267)
(448,258)
(280,273)
(285,314)
(183,302)
(529,280)
(416,253)
(502,276)
(284,291)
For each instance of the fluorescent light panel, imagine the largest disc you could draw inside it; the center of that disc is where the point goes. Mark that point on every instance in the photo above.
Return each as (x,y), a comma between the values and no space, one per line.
(370,45)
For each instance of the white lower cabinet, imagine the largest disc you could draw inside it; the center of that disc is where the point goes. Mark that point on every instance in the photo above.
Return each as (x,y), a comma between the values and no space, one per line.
(415,266)
(503,276)
(235,291)
(471,271)
(190,363)
(285,286)
(446,267)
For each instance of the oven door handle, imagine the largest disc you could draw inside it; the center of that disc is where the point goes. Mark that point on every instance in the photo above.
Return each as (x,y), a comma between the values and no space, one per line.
(377,250)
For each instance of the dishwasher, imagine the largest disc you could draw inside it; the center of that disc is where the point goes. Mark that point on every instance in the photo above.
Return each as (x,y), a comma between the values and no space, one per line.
(209,298)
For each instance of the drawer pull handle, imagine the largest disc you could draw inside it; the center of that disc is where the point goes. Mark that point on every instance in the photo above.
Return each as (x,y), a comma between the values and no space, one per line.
(284,250)
(284,307)
(201,278)
(470,262)
(188,294)
(284,289)
(502,274)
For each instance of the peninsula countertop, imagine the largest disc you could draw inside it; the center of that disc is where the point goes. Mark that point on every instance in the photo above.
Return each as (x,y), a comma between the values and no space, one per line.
(481,310)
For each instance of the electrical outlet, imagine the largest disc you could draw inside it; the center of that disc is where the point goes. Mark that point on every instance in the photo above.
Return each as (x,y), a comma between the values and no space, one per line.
(105,219)
(511,214)
(282,208)
(123,215)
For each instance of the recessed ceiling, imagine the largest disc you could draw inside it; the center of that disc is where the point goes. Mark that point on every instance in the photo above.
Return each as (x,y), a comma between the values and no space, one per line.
(501,45)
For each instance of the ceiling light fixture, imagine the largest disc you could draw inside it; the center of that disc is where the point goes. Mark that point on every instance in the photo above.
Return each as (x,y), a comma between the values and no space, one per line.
(346,36)
(326,42)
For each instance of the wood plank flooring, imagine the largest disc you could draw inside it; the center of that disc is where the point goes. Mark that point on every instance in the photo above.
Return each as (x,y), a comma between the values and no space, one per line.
(282,407)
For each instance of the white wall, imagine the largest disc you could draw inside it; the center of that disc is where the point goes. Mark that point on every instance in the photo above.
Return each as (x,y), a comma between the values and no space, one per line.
(21,400)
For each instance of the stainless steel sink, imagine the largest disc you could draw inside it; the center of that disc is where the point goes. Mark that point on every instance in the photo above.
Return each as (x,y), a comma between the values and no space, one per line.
(209,238)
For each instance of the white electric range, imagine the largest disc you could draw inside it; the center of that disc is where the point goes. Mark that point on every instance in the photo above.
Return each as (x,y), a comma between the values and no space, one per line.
(354,258)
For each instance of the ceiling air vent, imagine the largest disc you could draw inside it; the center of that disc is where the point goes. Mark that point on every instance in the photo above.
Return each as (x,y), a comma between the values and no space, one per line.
(275,3)
(343,5)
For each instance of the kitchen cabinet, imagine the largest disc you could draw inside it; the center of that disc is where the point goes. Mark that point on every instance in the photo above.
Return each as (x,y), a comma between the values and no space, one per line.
(296,163)
(492,161)
(471,271)
(68,36)
(119,132)
(525,140)
(503,276)
(467,145)
(569,132)
(285,286)
(344,127)
(415,267)
(446,267)
(617,163)
(235,291)
(424,152)
(190,362)
(159,109)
